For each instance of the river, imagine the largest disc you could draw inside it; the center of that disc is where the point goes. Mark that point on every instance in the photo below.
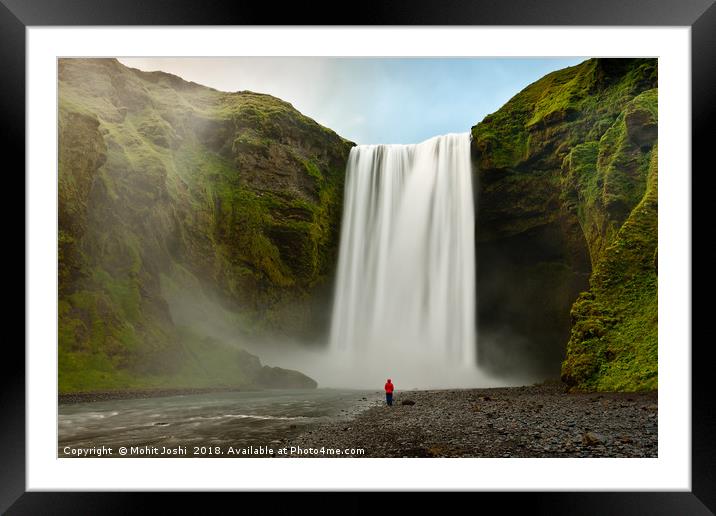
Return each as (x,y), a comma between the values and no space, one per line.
(222,424)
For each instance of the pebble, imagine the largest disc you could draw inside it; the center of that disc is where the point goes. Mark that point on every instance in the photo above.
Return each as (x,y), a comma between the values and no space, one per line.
(445,424)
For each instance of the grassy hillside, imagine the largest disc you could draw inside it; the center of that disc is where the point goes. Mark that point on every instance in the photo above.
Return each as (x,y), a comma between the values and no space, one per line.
(162,182)
(567,191)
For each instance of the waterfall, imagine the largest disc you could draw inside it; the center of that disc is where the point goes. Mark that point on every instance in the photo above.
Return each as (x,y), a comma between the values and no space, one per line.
(406,268)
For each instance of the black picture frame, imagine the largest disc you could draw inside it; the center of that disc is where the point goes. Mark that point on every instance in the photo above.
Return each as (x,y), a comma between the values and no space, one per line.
(17,15)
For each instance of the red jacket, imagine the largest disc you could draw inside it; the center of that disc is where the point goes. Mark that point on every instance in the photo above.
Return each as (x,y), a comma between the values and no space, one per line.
(389,387)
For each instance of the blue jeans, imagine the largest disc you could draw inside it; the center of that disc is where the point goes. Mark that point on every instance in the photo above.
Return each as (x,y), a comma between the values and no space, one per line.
(389,398)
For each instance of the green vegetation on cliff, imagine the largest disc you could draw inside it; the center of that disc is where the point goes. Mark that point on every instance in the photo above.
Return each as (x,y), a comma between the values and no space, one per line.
(567,176)
(236,194)
(613,345)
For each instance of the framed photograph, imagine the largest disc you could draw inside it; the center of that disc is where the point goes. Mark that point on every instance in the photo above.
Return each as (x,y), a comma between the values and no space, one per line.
(265,254)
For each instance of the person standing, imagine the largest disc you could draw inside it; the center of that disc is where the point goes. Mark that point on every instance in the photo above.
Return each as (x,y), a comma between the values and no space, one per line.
(389,388)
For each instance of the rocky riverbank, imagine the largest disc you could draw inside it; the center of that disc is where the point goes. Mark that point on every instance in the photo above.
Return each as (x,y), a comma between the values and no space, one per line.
(536,421)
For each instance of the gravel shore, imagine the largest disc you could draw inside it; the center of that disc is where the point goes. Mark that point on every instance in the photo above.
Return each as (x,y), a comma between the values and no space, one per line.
(537,421)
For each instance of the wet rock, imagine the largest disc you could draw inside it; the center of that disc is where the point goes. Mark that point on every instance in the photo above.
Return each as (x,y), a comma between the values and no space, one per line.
(593,439)
(499,428)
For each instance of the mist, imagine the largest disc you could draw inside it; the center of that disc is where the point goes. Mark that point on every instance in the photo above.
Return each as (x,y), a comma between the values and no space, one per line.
(199,310)
(195,306)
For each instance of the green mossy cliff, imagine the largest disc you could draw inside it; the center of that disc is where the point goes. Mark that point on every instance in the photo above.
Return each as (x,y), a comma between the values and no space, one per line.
(168,190)
(567,203)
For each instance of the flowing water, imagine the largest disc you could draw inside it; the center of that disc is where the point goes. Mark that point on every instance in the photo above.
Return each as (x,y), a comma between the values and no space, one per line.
(238,419)
(405,286)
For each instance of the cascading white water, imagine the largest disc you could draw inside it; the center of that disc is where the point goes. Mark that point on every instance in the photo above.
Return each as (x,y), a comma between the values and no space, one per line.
(406,268)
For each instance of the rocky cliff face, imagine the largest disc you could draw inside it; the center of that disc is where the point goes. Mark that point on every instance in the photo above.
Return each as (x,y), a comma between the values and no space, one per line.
(566,201)
(169,189)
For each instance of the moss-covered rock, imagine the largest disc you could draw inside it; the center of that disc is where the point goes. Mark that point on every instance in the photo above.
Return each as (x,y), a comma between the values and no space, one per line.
(614,338)
(238,190)
(561,170)
(278,378)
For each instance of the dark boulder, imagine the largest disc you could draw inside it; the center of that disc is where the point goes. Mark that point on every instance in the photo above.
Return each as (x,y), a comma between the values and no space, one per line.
(279,378)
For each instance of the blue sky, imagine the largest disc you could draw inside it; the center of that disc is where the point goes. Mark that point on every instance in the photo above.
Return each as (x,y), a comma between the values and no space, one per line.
(373,100)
